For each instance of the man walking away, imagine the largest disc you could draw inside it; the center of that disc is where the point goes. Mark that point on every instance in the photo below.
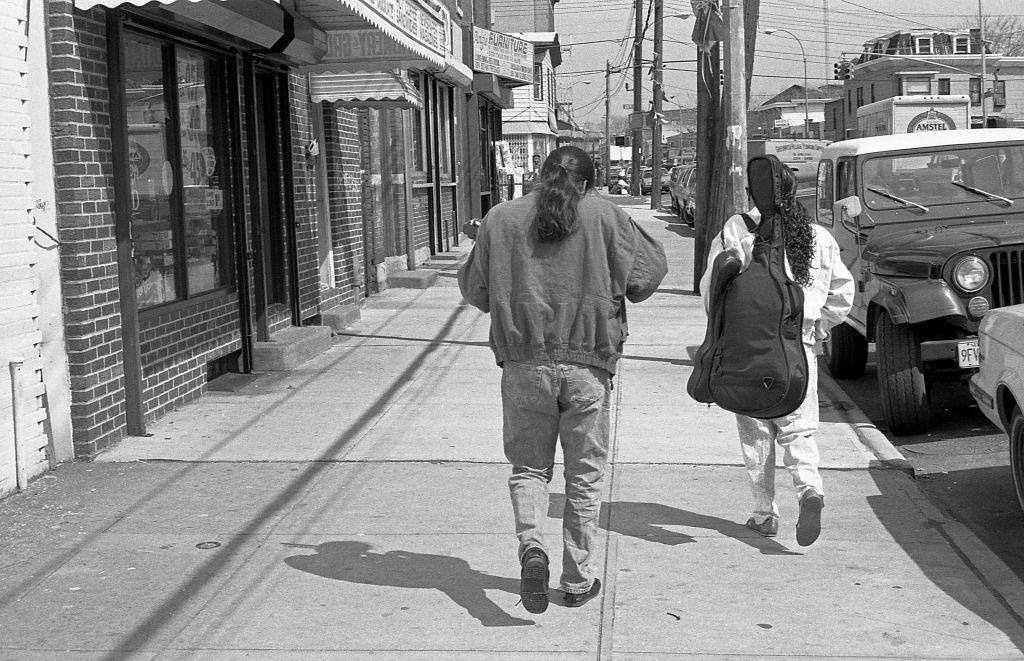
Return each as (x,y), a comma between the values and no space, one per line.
(554,269)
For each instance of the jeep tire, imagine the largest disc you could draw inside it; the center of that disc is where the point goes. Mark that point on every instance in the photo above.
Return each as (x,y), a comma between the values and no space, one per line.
(1017,454)
(846,352)
(901,382)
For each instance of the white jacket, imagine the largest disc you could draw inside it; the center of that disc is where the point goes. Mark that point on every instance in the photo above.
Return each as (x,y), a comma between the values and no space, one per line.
(829,297)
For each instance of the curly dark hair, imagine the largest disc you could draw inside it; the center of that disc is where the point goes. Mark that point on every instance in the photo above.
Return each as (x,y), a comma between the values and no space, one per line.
(799,234)
(558,194)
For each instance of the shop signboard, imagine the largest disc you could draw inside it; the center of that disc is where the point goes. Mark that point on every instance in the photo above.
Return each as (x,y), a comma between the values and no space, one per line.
(408,31)
(502,55)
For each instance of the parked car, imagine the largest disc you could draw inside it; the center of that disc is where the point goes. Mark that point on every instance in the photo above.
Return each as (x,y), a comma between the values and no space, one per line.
(929,225)
(647,181)
(998,386)
(682,188)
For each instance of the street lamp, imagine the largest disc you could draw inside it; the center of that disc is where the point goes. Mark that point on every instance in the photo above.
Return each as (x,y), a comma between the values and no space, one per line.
(803,54)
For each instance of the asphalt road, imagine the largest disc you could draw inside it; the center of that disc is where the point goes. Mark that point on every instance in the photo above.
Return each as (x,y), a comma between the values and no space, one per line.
(962,463)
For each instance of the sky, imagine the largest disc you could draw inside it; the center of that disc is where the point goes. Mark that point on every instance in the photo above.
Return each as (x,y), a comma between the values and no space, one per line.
(592,32)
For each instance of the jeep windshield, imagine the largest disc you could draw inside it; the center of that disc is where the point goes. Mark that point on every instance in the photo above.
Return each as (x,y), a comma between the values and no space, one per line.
(926,179)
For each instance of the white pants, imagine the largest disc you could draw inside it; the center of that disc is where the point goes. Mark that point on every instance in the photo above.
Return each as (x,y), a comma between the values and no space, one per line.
(795,434)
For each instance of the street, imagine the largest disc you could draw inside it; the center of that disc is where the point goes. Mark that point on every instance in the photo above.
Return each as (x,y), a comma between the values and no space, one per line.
(962,463)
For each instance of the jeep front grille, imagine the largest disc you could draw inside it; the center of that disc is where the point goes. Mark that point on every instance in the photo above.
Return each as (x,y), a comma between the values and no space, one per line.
(1007,276)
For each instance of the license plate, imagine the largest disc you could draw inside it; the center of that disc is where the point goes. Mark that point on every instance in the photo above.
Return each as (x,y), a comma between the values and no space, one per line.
(967,353)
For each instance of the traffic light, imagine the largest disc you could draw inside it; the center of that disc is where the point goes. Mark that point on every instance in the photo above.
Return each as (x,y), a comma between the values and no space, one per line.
(843,70)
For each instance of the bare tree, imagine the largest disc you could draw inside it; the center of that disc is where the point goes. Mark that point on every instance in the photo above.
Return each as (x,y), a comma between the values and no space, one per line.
(1004,32)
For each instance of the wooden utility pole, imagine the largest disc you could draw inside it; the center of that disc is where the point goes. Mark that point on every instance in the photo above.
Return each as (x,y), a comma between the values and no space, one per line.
(607,123)
(659,95)
(638,100)
(736,106)
(714,202)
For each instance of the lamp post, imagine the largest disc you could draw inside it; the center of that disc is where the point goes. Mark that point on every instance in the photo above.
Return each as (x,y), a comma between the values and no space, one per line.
(803,55)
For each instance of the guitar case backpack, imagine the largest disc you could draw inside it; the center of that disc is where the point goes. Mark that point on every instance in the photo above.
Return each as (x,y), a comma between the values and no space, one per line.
(752,360)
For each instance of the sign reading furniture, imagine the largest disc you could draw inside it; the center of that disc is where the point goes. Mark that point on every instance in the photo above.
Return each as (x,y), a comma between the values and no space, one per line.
(502,55)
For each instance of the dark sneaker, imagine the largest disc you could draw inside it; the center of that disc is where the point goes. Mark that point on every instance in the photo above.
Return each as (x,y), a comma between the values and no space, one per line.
(572,599)
(769,527)
(533,581)
(808,526)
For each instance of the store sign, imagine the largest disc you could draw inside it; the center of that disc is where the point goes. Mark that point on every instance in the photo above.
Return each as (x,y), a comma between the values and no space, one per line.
(931,120)
(502,55)
(412,32)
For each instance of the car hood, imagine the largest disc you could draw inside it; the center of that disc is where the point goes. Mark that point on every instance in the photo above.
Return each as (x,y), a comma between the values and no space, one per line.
(916,251)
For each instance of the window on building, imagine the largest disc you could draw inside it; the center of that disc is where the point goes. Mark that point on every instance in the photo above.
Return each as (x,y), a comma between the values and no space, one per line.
(445,143)
(975,91)
(538,82)
(943,85)
(923,45)
(872,92)
(860,96)
(418,149)
(919,86)
(849,102)
(178,188)
(962,45)
(999,93)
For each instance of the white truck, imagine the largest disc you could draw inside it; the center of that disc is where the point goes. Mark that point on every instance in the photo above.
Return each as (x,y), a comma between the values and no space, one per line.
(914,114)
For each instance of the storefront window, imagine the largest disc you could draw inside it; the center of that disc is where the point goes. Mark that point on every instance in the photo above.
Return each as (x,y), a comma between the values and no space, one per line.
(150,177)
(201,181)
(176,155)
(419,141)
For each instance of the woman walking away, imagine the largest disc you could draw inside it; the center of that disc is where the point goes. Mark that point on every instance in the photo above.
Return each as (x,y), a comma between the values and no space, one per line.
(554,269)
(813,262)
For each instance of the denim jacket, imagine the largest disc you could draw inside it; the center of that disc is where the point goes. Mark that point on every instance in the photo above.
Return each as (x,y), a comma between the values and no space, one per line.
(827,299)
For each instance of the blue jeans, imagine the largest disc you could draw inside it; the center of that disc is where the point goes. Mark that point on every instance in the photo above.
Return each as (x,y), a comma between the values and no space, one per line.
(543,403)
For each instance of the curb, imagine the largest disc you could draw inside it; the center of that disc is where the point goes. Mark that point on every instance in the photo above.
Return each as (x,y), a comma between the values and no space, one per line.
(867,433)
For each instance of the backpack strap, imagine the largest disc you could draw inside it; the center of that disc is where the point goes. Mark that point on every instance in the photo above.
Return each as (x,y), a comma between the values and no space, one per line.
(751,225)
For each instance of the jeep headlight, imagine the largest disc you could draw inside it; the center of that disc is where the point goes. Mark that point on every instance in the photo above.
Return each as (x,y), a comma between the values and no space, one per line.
(970,274)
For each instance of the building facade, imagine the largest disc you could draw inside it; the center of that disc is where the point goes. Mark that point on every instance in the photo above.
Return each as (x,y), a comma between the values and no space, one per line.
(928,62)
(35,416)
(237,177)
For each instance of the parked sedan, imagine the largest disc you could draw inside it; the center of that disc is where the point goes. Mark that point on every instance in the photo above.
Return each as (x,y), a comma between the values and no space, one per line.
(998,386)
(647,181)
(682,187)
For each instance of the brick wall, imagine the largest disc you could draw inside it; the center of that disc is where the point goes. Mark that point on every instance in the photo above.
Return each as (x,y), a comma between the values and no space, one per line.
(345,194)
(80,122)
(304,192)
(421,203)
(177,345)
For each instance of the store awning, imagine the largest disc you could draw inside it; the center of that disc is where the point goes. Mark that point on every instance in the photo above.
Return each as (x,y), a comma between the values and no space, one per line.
(355,29)
(265,24)
(365,89)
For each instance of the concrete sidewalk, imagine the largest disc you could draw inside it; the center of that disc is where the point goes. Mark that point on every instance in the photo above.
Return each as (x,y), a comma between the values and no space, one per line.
(357,508)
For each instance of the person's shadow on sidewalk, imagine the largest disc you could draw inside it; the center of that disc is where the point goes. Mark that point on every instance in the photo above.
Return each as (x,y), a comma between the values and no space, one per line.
(357,562)
(646,521)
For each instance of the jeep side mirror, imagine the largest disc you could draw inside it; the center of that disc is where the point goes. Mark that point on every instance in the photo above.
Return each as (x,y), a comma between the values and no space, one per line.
(849,208)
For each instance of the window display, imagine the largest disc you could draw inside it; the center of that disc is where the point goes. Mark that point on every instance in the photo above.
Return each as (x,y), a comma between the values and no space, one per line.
(180,229)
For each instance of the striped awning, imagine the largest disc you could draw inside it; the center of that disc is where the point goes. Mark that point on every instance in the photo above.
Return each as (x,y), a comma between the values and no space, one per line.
(414,32)
(365,89)
(112,4)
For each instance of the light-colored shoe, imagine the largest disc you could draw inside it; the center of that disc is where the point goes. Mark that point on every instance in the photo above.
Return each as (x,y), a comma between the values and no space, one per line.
(769,527)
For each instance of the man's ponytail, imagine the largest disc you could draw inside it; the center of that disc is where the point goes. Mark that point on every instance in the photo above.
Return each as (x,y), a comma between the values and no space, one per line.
(559,194)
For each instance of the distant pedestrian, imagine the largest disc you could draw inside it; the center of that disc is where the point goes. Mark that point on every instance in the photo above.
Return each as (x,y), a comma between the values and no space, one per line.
(813,262)
(554,269)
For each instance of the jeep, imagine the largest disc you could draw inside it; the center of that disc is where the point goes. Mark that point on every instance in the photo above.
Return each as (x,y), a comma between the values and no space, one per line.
(931,225)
